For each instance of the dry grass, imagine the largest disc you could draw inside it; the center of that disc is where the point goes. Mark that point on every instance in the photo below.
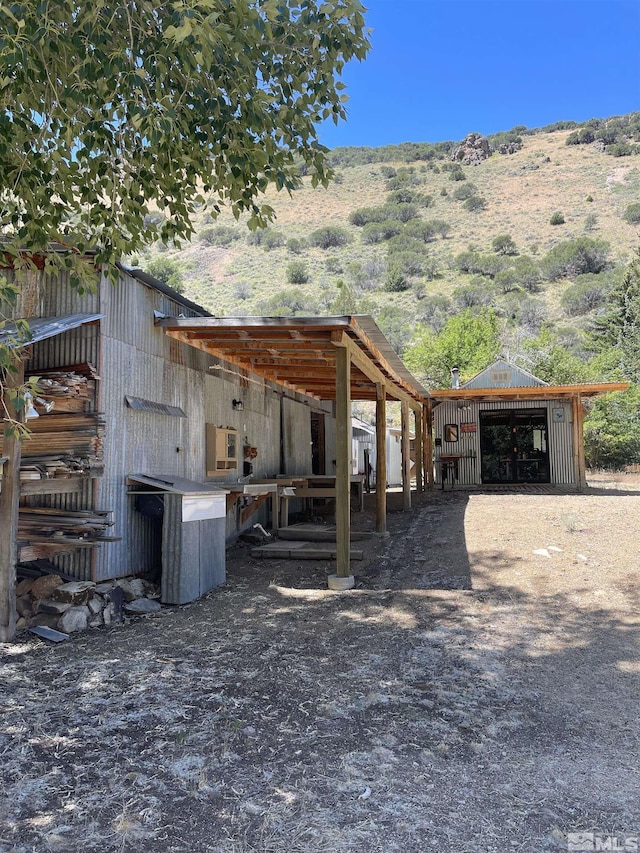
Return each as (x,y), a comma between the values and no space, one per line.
(522,191)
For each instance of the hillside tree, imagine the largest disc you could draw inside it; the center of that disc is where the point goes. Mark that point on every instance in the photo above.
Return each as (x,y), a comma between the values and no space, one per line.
(110,111)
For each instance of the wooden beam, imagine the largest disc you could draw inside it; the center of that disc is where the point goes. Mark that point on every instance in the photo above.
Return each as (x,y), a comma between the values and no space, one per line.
(370,370)
(406,456)
(417,450)
(579,467)
(381,459)
(343,462)
(9,504)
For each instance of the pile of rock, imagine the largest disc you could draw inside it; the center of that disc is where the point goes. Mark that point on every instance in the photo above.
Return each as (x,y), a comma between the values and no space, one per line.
(473,149)
(76,605)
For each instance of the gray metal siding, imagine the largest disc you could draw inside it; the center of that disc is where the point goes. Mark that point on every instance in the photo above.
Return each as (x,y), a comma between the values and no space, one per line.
(560,437)
(518,378)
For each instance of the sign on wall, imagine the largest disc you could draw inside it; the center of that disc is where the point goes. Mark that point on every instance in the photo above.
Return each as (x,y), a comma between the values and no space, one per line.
(468,427)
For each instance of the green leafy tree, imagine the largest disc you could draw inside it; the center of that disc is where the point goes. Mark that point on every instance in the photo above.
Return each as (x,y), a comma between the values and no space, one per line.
(167,271)
(576,257)
(111,110)
(468,341)
(108,108)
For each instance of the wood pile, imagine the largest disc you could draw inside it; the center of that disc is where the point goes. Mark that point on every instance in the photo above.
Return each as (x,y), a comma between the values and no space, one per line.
(45,532)
(72,389)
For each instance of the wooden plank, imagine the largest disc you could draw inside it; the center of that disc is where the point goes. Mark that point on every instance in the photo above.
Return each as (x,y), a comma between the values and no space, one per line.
(381,459)
(343,460)
(406,456)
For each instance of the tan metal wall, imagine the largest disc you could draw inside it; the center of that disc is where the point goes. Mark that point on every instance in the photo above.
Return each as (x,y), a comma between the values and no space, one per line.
(560,438)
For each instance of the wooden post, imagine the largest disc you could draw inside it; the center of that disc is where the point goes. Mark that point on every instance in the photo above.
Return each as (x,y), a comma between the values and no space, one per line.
(9,504)
(406,456)
(427,443)
(579,465)
(343,461)
(381,459)
(578,452)
(417,450)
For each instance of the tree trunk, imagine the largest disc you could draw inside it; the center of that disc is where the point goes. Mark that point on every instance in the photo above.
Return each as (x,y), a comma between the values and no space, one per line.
(9,502)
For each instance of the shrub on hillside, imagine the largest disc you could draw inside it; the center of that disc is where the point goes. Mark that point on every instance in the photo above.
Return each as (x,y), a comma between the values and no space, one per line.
(556,219)
(475,203)
(395,280)
(457,174)
(588,293)
(632,213)
(527,273)
(465,191)
(220,235)
(265,237)
(504,244)
(287,303)
(296,245)
(377,232)
(329,237)
(473,296)
(576,257)
(297,272)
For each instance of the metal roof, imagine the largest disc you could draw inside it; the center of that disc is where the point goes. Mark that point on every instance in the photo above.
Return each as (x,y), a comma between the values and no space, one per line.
(300,352)
(41,328)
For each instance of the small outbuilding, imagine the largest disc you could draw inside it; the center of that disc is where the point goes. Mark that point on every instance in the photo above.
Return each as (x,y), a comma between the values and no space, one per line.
(505,426)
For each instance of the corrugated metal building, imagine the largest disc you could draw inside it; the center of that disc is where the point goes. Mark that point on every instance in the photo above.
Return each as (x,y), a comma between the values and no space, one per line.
(506,426)
(158,397)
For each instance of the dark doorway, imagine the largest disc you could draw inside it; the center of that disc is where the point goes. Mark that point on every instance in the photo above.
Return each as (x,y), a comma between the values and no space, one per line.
(514,447)
(318,465)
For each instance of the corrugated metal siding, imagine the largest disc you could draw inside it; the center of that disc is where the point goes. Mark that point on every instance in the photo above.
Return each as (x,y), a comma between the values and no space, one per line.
(560,437)
(296,435)
(517,378)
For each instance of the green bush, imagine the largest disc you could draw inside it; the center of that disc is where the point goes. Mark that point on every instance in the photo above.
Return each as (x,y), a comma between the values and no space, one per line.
(576,257)
(395,280)
(457,174)
(329,237)
(221,235)
(556,219)
(265,237)
(632,213)
(504,244)
(475,203)
(589,293)
(296,245)
(297,272)
(378,232)
(465,191)
(421,229)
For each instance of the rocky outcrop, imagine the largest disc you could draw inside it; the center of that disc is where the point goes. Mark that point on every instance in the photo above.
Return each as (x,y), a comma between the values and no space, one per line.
(473,149)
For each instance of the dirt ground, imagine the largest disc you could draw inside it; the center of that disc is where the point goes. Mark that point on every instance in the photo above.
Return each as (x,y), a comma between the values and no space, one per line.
(477,691)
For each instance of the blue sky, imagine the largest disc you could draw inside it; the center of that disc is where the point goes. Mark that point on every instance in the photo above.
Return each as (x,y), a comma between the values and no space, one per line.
(439,69)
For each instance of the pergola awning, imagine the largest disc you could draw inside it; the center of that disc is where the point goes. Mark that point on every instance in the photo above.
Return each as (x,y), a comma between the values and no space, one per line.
(300,353)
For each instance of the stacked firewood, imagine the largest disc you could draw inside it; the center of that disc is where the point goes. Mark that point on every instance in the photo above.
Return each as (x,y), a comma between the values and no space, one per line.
(46,531)
(71,390)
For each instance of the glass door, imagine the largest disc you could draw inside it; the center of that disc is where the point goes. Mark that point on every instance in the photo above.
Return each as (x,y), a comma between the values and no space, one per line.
(513,446)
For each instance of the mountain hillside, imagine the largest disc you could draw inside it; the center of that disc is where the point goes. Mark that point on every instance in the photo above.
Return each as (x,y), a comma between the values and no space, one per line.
(486,242)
